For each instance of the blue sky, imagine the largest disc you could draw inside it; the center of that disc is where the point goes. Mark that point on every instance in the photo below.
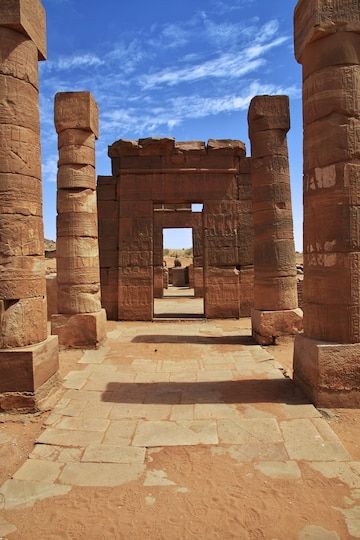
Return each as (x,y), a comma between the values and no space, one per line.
(181,68)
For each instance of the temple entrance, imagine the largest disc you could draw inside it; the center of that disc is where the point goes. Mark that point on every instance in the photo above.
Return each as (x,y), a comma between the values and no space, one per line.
(155,184)
(178,293)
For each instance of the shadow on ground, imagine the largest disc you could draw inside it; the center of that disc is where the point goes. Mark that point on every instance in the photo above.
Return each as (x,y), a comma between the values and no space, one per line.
(237,392)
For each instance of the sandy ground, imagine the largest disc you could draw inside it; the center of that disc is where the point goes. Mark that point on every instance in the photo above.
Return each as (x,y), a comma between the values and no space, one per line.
(212,495)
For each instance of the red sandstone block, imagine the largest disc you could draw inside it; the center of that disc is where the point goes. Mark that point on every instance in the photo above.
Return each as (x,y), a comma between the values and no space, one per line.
(270,169)
(26,112)
(27,369)
(190,146)
(22,277)
(77,224)
(76,110)
(135,258)
(274,293)
(19,151)
(132,209)
(123,148)
(316,19)
(338,184)
(21,235)
(80,331)
(27,17)
(329,141)
(275,258)
(335,90)
(108,210)
(269,143)
(335,323)
(153,146)
(340,49)
(76,201)
(268,113)
(230,146)
(76,137)
(74,176)
(23,322)
(20,195)
(106,192)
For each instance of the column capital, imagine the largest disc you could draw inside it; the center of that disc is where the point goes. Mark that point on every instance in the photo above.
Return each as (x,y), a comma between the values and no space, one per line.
(76,110)
(27,17)
(316,19)
(269,112)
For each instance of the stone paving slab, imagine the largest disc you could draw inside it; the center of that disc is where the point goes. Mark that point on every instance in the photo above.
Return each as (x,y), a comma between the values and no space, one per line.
(180,433)
(102,453)
(20,493)
(249,431)
(36,470)
(100,474)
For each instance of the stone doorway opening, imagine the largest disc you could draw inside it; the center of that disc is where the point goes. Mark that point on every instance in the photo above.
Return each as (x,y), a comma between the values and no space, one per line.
(178,279)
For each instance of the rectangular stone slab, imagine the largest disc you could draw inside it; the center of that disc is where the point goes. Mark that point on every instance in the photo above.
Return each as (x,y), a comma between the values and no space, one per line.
(27,17)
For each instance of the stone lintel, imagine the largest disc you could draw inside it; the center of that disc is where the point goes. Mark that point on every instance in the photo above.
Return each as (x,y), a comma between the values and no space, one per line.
(328,373)
(168,146)
(80,331)
(27,17)
(269,112)
(267,326)
(76,110)
(316,19)
(25,373)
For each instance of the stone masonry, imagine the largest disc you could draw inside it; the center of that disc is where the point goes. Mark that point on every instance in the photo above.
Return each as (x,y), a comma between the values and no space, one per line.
(152,172)
(327,44)
(275,310)
(28,357)
(80,322)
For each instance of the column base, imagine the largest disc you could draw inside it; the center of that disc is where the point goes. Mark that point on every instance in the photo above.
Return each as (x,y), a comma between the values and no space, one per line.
(328,373)
(80,331)
(268,326)
(28,376)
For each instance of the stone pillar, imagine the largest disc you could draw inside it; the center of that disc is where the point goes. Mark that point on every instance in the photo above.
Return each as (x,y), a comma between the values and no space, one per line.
(198,255)
(275,310)
(327,44)
(158,258)
(81,321)
(28,357)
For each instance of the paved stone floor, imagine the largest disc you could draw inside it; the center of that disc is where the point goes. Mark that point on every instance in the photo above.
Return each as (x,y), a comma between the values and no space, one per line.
(179,302)
(161,385)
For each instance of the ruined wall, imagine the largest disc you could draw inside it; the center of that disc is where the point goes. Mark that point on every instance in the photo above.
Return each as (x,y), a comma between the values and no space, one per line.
(158,171)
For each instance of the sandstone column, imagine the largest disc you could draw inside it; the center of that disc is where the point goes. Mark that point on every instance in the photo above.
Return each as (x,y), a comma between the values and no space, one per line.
(327,44)
(28,357)
(275,310)
(81,320)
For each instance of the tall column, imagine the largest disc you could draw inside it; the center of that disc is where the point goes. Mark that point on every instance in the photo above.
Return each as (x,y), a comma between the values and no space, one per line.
(275,310)
(28,357)
(327,44)
(81,321)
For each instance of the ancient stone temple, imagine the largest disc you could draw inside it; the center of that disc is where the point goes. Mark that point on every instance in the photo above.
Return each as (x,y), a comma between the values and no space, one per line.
(81,320)
(327,44)
(275,310)
(152,173)
(28,357)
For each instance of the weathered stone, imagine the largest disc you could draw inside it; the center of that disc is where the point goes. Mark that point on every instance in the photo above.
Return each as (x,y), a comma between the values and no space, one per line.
(76,110)
(27,17)
(275,286)
(23,322)
(76,176)
(327,39)
(19,57)
(82,330)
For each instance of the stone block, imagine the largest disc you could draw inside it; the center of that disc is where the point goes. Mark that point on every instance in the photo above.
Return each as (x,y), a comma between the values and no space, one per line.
(267,326)
(76,137)
(275,293)
(27,17)
(24,370)
(78,270)
(269,143)
(76,110)
(74,224)
(268,113)
(21,235)
(77,246)
(339,49)
(21,277)
(327,372)
(316,19)
(26,113)
(190,146)
(20,195)
(334,90)
(23,322)
(156,146)
(229,146)
(19,151)
(179,277)
(76,155)
(80,331)
(76,176)
(73,299)
(19,58)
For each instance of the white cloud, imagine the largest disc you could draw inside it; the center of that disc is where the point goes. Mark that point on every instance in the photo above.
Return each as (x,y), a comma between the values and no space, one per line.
(50,168)
(176,110)
(65,63)
(230,65)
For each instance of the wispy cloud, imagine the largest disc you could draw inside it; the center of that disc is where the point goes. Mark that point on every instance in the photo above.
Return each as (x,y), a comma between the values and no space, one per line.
(65,63)
(49,168)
